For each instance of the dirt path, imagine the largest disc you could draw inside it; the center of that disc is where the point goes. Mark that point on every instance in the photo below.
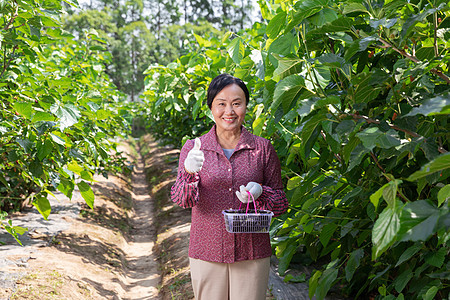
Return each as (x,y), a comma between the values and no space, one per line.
(79,253)
(142,274)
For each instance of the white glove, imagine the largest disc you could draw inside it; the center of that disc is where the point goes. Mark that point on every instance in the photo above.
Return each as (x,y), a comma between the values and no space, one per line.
(254,188)
(195,158)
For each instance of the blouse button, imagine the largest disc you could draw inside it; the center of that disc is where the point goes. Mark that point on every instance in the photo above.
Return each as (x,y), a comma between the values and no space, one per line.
(229,170)
(229,189)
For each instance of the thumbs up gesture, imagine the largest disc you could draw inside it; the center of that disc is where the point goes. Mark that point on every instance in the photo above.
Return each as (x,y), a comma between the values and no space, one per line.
(195,158)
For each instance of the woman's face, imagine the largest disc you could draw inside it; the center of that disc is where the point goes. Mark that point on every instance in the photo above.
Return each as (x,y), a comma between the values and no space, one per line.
(228,108)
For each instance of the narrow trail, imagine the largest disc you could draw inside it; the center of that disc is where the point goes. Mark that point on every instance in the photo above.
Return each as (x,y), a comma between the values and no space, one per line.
(142,276)
(79,253)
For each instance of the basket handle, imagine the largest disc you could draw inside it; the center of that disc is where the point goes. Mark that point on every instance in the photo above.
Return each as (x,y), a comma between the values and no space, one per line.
(248,204)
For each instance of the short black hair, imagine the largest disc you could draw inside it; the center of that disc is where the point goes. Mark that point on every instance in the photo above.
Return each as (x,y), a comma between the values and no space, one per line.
(222,81)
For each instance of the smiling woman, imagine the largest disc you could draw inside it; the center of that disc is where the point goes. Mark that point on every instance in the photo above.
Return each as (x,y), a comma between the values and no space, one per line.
(217,172)
(228,108)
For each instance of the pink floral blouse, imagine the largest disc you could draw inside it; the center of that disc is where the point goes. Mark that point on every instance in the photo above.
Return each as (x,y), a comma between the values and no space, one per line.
(213,189)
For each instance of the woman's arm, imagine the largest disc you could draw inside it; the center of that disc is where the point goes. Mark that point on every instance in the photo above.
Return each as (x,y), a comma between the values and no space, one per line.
(185,190)
(273,200)
(273,197)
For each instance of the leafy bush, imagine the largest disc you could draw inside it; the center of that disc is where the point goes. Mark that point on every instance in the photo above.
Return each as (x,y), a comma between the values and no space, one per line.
(59,113)
(355,97)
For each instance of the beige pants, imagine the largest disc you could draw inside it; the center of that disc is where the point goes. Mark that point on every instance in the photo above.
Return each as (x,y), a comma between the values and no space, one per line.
(246,280)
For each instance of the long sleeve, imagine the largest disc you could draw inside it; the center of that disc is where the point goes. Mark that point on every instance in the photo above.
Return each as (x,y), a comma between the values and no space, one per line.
(185,190)
(273,200)
(273,197)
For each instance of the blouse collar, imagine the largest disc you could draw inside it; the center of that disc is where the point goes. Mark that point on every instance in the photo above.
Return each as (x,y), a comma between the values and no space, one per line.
(209,141)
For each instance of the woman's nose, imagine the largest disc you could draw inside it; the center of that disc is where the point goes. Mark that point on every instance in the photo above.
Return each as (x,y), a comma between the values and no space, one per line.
(229,109)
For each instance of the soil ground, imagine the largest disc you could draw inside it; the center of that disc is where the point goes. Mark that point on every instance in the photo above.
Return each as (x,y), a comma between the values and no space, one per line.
(132,245)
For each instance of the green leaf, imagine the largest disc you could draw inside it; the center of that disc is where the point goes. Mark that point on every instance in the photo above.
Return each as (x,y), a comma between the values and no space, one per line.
(313,283)
(324,16)
(57,139)
(443,194)
(287,90)
(373,137)
(293,182)
(353,263)
(362,91)
(35,168)
(44,149)
(437,258)
(257,58)
(386,23)
(326,233)
(325,282)
(86,175)
(434,106)
(385,230)
(425,53)
(286,66)
(375,197)
(295,279)
(23,108)
(5,183)
(286,258)
(43,116)
(201,41)
(103,114)
(74,3)
(86,193)
(75,167)
(68,115)
(390,192)
(351,7)
(66,187)
(402,280)
(412,20)
(285,44)
(408,254)
(340,25)
(431,293)
(275,25)
(334,61)
(236,50)
(440,163)
(305,9)
(43,206)
(26,144)
(20,230)
(418,221)
(356,156)
(310,133)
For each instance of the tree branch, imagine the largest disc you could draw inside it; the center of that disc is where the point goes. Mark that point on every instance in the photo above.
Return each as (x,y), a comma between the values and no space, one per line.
(395,127)
(435,21)
(14,16)
(6,65)
(369,120)
(335,154)
(414,59)
(377,162)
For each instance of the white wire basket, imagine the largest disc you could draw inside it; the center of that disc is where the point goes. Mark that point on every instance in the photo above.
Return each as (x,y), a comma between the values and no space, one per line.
(241,221)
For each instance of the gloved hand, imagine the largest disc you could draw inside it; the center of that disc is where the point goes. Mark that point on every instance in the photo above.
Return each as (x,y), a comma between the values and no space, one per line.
(195,158)
(254,188)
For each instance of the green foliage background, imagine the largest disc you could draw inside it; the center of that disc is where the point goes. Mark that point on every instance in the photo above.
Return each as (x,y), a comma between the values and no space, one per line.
(60,115)
(355,97)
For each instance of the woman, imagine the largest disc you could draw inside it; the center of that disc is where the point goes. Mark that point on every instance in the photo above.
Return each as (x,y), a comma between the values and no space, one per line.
(216,172)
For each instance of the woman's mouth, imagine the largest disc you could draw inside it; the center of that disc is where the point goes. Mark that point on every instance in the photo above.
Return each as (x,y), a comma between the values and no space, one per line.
(229,120)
